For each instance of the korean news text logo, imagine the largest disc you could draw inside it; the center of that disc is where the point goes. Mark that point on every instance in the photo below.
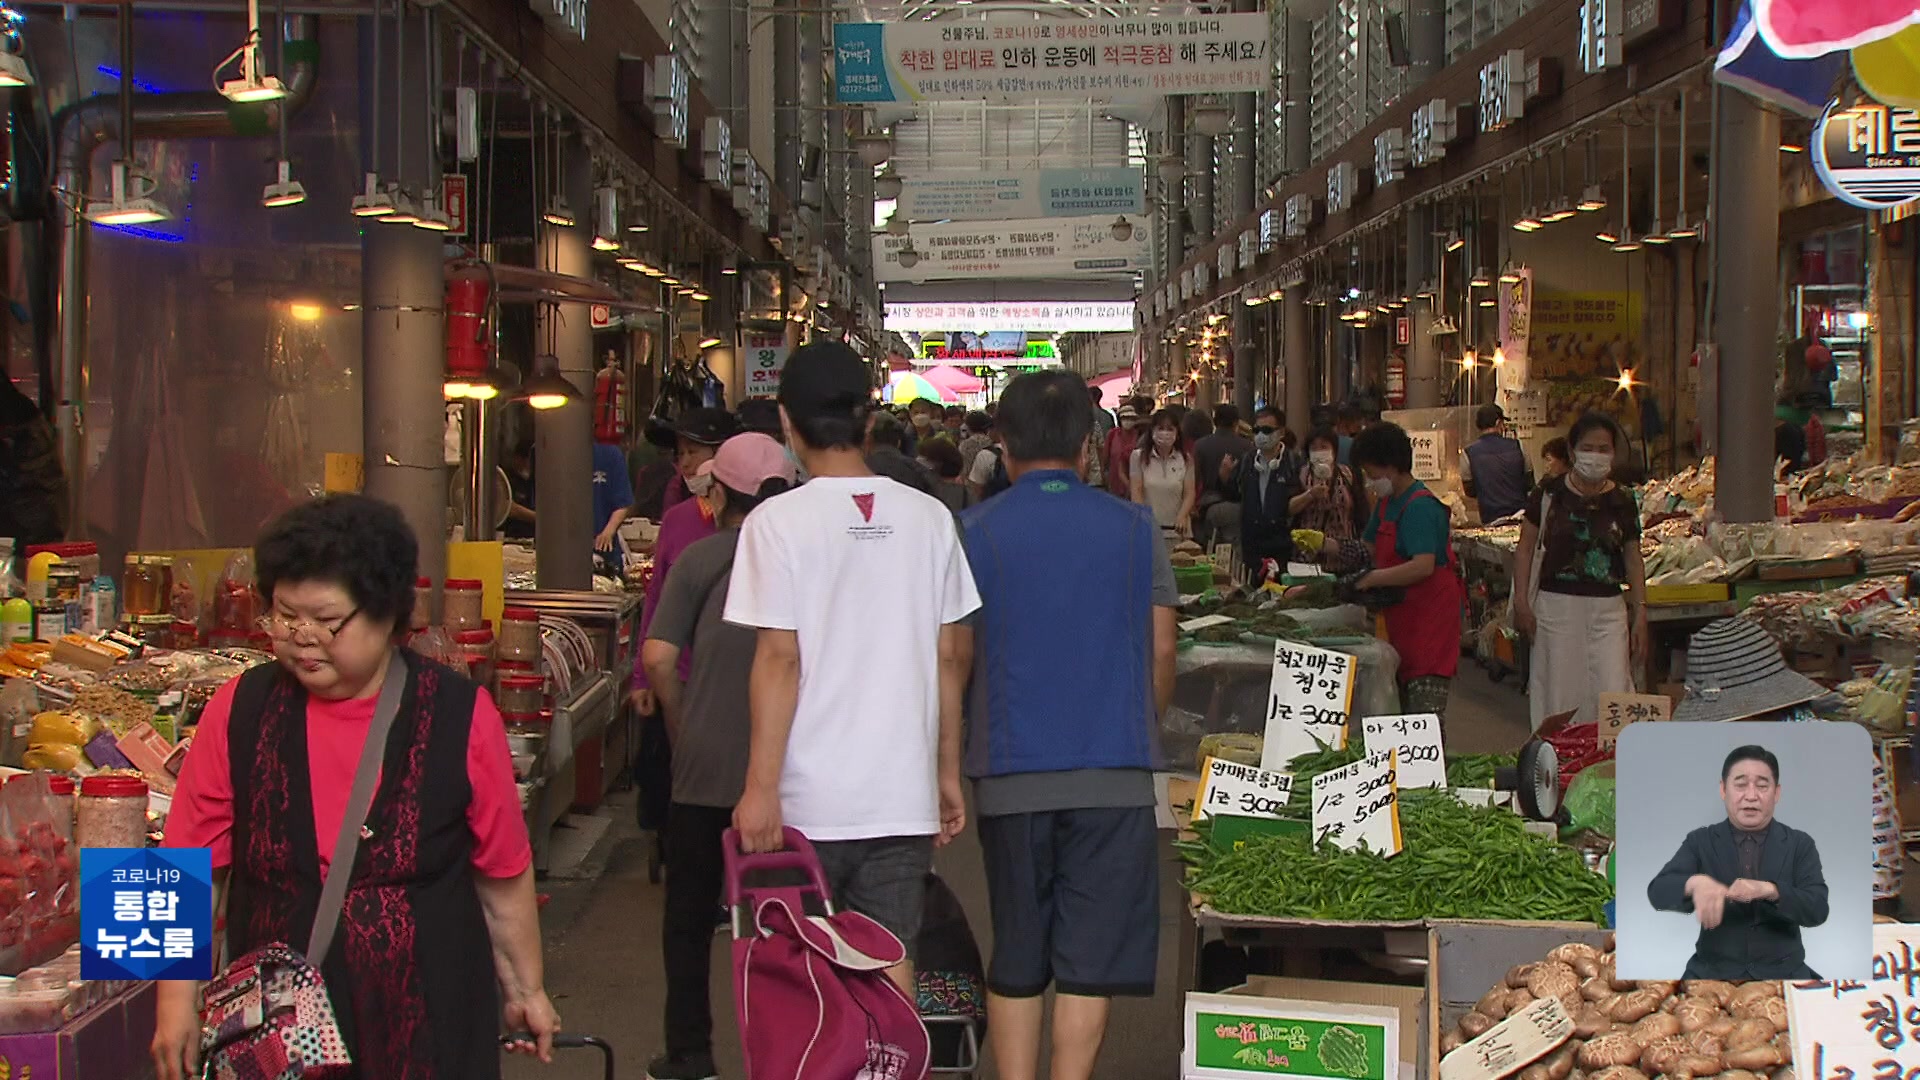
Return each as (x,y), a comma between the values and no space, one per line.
(146,913)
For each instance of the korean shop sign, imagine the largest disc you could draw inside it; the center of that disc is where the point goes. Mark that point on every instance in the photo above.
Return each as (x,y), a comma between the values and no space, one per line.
(1869,155)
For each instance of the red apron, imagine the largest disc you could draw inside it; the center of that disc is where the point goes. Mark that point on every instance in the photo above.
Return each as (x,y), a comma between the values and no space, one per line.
(1424,628)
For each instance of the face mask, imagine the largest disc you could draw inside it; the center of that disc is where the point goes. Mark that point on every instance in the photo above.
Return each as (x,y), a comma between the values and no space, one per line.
(1592,466)
(799,470)
(1262,439)
(701,485)
(1323,457)
(1380,488)
(922,421)
(1163,439)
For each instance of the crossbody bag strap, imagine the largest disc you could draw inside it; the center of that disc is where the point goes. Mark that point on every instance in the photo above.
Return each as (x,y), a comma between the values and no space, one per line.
(333,891)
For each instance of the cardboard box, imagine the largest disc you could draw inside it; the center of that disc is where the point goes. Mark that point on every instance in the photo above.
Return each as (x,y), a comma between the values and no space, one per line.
(1284,1022)
(1466,959)
(107,1042)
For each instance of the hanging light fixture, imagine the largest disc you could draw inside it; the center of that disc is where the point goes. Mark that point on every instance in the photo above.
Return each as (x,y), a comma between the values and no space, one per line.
(251,86)
(606,219)
(908,257)
(1172,169)
(1122,229)
(1481,279)
(432,218)
(1510,274)
(730,266)
(1683,227)
(874,148)
(548,389)
(285,190)
(130,201)
(373,202)
(1211,117)
(1593,198)
(403,210)
(1656,234)
(897,224)
(558,213)
(1625,242)
(13,63)
(888,184)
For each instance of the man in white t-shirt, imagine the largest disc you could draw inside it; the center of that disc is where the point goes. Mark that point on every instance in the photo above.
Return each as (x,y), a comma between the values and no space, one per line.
(858,586)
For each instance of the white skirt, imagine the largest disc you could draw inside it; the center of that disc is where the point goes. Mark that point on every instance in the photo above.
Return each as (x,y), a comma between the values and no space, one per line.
(1580,651)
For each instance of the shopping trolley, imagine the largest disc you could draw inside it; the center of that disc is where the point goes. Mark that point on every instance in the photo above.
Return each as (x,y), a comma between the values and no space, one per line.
(565,1041)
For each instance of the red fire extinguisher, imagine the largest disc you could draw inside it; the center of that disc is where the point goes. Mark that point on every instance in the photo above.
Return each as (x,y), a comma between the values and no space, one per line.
(469,297)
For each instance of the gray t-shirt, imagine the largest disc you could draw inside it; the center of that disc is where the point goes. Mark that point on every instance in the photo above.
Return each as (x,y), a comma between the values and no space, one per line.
(1079,789)
(710,756)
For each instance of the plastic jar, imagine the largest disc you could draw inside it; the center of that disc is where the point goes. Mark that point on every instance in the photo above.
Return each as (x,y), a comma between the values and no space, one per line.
(112,812)
(422,605)
(186,635)
(527,723)
(462,604)
(156,631)
(476,648)
(520,635)
(84,554)
(147,588)
(521,695)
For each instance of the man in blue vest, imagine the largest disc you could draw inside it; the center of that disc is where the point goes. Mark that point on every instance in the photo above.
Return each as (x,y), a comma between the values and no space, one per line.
(1062,732)
(1494,469)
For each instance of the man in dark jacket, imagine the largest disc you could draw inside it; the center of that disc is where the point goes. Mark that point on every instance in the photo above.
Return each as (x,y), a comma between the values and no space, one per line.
(1751,882)
(885,458)
(33,486)
(1494,469)
(1216,457)
(1266,480)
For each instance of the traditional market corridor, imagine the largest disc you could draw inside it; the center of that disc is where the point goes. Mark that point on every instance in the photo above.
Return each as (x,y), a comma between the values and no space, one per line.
(603,933)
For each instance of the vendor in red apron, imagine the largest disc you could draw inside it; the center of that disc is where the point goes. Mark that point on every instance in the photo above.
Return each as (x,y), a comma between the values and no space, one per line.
(1412,555)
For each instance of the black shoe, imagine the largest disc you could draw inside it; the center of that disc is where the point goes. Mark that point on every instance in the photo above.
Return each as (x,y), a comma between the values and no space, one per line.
(685,1067)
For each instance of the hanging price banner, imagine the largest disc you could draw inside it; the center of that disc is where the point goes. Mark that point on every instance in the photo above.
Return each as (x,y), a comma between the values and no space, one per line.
(1228,787)
(1308,701)
(1357,806)
(1415,741)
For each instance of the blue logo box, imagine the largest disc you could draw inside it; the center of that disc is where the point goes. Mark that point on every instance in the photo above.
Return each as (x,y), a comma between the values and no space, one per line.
(146,913)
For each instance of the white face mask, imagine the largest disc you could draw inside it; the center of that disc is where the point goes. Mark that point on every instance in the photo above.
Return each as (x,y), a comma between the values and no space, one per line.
(701,484)
(1163,439)
(1592,465)
(1380,487)
(1322,457)
(922,421)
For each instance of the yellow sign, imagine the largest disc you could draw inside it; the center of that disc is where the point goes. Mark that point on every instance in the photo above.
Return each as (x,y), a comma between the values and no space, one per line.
(345,473)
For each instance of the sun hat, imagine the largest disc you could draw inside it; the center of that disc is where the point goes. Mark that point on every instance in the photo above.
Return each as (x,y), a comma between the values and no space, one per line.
(1127,413)
(744,462)
(1734,671)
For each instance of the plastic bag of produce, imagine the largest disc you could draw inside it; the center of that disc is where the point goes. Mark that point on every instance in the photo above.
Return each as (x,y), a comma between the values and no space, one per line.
(19,702)
(39,873)
(1590,800)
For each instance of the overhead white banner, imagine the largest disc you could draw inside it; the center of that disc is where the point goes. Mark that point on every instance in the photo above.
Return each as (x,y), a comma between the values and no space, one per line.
(1032,248)
(1016,60)
(1034,193)
(1064,317)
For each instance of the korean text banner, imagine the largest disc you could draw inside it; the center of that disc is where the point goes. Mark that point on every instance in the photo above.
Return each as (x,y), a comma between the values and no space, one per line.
(1038,248)
(1062,316)
(1036,193)
(1136,57)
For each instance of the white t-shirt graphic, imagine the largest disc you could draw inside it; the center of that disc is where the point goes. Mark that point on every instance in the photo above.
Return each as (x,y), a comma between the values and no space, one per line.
(865,571)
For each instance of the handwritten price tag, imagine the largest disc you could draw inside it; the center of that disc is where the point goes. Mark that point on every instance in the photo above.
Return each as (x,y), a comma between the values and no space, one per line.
(1415,740)
(1356,806)
(1619,710)
(1204,621)
(1844,1030)
(1227,787)
(1512,1044)
(1308,701)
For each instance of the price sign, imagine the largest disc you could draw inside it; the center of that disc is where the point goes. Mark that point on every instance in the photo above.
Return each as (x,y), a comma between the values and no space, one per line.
(1359,805)
(1512,1044)
(766,358)
(1415,741)
(1228,787)
(1429,452)
(1308,701)
(1619,710)
(1305,570)
(1205,621)
(1845,1029)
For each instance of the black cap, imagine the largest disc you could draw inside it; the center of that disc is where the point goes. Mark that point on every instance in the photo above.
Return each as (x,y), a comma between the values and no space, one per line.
(1489,416)
(761,415)
(708,427)
(825,376)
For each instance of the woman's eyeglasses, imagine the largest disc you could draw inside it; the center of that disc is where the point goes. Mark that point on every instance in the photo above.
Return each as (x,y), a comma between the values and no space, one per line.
(305,631)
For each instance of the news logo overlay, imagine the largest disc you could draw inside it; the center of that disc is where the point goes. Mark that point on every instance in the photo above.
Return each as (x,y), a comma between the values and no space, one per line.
(146,913)
(1745,851)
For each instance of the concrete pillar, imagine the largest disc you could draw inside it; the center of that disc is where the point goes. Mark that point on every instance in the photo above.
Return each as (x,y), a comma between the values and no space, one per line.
(1200,177)
(786,98)
(563,438)
(1174,196)
(1423,349)
(1246,172)
(1426,39)
(1746,239)
(1296,92)
(1296,356)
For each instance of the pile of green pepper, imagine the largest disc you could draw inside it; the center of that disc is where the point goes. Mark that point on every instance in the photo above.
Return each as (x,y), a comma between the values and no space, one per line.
(1457,862)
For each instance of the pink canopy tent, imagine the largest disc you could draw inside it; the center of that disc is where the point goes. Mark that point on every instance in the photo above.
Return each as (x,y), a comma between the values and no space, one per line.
(948,377)
(1115,387)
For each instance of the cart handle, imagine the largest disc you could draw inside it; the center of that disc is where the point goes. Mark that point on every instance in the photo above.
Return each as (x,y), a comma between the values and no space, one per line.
(796,854)
(564,1041)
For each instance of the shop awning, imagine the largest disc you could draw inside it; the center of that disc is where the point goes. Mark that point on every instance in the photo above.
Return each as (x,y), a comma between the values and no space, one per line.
(948,377)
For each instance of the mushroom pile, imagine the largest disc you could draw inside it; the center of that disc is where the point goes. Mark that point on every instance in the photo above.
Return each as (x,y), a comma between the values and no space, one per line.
(1625,1030)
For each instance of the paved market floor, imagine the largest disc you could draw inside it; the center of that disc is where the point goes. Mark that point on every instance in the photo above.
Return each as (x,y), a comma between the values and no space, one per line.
(603,933)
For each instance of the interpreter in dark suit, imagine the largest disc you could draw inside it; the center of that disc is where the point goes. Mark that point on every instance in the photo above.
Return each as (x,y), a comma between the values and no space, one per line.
(1752,883)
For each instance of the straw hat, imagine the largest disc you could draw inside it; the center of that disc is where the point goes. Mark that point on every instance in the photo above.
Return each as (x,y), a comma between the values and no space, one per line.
(1734,671)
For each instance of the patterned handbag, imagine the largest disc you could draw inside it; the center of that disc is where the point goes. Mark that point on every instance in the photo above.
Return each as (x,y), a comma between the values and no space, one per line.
(267,1016)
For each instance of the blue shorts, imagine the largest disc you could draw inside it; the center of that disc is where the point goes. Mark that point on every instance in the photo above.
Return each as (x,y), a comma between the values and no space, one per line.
(1075,899)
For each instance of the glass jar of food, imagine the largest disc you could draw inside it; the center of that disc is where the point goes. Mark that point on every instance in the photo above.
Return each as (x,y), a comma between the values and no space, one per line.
(521,695)
(155,630)
(461,599)
(520,635)
(476,648)
(112,812)
(526,723)
(148,585)
(422,605)
(186,635)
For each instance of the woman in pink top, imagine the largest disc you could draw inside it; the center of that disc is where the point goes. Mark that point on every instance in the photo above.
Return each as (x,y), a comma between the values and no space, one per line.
(439,937)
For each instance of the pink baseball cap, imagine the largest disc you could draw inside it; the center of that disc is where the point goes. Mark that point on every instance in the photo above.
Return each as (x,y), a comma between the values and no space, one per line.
(746,461)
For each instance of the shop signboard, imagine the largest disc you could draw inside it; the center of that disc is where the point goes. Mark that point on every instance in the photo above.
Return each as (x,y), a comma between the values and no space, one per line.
(1434,127)
(453,200)
(1031,193)
(1132,57)
(1389,156)
(672,108)
(1600,45)
(716,153)
(1503,91)
(1236,1036)
(1299,215)
(1224,260)
(1056,316)
(567,17)
(1515,330)
(1861,1029)
(1343,184)
(1358,806)
(1415,741)
(1869,155)
(1309,698)
(1031,248)
(766,358)
(1272,228)
(1249,248)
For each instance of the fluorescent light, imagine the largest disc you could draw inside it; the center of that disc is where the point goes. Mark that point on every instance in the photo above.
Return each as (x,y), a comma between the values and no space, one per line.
(700,295)
(13,70)
(557,213)
(126,206)
(1792,148)
(373,202)
(710,343)
(305,311)
(1592,199)
(285,190)
(246,91)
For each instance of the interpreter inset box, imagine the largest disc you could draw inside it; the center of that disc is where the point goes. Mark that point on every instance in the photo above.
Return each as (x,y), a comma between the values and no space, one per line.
(1744,851)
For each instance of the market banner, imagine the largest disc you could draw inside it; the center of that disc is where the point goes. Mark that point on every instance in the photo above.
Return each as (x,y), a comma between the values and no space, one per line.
(1003,250)
(1747,63)
(1803,29)
(1032,193)
(1057,316)
(1516,324)
(1040,60)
